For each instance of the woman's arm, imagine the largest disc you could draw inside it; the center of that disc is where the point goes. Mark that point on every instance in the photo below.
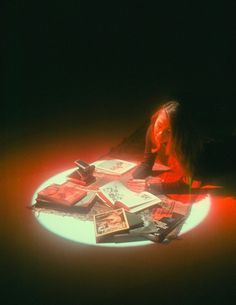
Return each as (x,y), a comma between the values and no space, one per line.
(157,185)
(163,187)
(145,167)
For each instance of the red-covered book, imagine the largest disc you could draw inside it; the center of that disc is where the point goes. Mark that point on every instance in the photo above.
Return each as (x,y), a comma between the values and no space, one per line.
(66,194)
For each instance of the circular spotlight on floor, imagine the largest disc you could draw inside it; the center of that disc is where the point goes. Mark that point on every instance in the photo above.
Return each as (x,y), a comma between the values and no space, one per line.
(82,231)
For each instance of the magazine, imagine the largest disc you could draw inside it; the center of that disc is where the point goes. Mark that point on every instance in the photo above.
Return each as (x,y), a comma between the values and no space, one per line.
(154,230)
(110,222)
(114,166)
(66,194)
(116,194)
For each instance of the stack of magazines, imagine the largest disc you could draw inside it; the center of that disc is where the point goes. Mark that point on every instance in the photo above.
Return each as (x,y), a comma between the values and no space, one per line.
(67,196)
(123,215)
(121,226)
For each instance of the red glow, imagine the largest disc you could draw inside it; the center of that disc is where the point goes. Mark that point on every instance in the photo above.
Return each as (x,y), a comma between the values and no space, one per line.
(28,166)
(204,254)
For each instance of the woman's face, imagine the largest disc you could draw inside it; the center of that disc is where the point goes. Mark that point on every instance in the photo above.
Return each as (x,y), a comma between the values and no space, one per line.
(161,129)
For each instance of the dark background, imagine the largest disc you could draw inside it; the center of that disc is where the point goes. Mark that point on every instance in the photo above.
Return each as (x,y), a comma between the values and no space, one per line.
(80,71)
(74,63)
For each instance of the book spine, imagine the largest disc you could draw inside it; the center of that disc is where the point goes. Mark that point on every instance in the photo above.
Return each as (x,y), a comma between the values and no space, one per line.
(53,201)
(119,204)
(60,201)
(62,208)
(104,199)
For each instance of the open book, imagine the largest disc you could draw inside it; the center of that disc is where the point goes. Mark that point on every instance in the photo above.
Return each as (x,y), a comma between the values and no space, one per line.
(115,194)
(114,166)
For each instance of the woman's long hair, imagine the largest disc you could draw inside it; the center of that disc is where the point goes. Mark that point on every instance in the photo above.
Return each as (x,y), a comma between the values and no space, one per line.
(185,141)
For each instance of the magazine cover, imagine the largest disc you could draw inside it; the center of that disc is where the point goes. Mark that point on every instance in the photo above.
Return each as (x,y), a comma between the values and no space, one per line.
(110,222)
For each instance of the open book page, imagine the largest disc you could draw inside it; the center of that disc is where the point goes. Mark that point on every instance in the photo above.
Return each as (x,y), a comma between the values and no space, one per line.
(115,191)
(114,166)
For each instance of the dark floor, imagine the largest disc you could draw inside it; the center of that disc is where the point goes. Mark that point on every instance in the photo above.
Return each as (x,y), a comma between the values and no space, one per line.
(80,77)
(39,267)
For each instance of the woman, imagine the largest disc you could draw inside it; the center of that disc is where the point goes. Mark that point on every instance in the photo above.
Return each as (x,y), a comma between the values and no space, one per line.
(174,138)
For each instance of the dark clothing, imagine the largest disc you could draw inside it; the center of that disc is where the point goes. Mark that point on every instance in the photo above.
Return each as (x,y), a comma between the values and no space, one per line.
(217,159)
(216,163)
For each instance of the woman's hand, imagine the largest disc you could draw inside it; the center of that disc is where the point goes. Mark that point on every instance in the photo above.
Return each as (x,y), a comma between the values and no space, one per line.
(140,185)
(137,185)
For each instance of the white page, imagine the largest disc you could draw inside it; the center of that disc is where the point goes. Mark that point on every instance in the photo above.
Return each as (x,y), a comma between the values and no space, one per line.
(115,166)
(116,191)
